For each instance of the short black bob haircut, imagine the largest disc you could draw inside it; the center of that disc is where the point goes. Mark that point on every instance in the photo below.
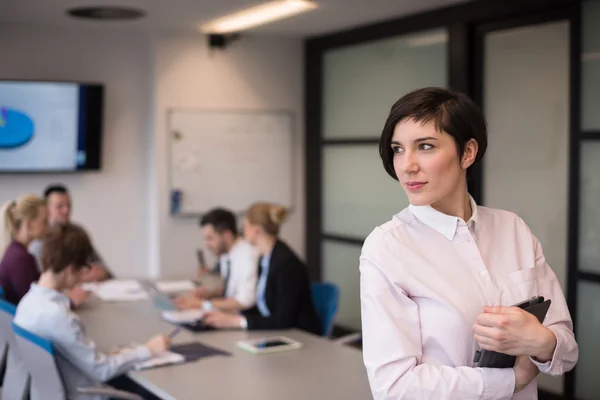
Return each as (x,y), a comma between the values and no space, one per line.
(222,220)
(452,112)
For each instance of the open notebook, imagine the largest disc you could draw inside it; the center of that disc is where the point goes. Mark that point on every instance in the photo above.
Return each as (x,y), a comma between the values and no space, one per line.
(180,354)
(167,358)
(117,290)
(183,316)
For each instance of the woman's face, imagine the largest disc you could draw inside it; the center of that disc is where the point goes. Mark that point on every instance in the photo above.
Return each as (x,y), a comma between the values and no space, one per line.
(250,231)
(37,226)
(426,162)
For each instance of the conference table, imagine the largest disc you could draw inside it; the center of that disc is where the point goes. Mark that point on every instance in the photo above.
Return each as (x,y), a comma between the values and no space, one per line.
(321,369)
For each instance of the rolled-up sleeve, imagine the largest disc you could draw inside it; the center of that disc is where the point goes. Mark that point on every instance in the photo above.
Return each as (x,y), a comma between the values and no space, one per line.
(392,348)
(558,319)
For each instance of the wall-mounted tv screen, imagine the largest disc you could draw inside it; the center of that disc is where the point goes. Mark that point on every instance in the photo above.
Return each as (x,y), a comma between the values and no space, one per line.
(50,126)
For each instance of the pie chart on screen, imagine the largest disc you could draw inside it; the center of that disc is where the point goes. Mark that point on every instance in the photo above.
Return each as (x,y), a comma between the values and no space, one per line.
(16,128)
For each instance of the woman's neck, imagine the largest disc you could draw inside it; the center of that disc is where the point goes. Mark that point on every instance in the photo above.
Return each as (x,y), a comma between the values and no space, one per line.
(458,204)
(23,238)
(50,281)
(265,244)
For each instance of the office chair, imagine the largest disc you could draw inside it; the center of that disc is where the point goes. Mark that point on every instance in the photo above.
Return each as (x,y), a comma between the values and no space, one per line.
(46,382)
(3,348)
(15,384)
(325,297)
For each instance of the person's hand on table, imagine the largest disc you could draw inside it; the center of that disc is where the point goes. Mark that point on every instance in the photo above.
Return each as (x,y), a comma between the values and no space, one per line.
(187,302)
(220,319)
(514,331)
(77,296)
(159,344)
(96,273)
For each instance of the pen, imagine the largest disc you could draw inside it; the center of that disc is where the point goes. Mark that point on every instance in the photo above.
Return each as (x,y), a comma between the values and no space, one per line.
(174,333)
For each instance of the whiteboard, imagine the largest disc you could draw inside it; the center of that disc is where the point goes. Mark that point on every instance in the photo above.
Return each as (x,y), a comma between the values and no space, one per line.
(229,159)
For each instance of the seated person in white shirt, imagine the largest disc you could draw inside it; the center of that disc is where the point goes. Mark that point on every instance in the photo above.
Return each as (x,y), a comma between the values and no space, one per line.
(237,265)
(45,311)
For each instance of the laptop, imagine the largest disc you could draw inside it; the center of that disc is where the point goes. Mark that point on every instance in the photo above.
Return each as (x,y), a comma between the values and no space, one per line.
(162,303)
(160,300)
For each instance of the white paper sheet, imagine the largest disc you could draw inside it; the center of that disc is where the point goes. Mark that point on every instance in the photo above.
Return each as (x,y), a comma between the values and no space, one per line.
(121,290)
(170,287)
(167,358)
(183,316)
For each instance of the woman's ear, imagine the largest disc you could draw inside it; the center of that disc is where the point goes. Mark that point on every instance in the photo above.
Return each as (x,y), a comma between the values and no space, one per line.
(27,223)
(469,154)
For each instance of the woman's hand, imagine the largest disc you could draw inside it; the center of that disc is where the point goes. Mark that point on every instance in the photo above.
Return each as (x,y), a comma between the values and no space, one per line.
(514,331)
(525,372)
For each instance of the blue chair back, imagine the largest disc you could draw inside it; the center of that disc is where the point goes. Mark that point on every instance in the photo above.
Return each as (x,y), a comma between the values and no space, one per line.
(15,384)
(37,354)
(326,297)
(8,311)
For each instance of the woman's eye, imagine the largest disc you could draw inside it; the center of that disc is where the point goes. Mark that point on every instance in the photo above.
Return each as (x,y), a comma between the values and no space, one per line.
(397,149)
(426,146)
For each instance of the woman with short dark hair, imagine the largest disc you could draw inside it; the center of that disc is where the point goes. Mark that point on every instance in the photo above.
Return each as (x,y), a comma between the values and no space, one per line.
(439,279)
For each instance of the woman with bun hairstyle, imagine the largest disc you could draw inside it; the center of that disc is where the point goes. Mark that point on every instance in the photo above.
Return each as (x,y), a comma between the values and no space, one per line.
(283,298)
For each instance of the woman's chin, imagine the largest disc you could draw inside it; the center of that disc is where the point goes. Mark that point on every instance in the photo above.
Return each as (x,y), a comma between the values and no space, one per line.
(418,199)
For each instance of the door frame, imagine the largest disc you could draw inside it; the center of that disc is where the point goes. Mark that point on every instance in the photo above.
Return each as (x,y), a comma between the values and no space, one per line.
(571,14)
(465,23)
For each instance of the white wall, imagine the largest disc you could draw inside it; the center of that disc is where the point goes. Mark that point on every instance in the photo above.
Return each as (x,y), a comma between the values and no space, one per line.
(253,73)
(125,205)
(109,203)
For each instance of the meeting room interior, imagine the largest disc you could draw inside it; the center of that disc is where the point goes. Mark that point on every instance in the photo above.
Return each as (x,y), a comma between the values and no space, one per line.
(289,199)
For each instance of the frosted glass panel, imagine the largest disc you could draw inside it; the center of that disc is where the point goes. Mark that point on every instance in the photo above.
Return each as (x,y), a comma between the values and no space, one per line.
(590,27)
(526,87)
(587,385)
(589,217)
(358,194)
(590,67)
(340,266)
(361,83)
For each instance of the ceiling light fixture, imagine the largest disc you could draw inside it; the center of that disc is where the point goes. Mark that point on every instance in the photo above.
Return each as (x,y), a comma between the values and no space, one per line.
(257,15)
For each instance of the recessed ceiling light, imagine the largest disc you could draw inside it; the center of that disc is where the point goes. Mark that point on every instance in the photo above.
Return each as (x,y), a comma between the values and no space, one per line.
(106,13)
(257,15)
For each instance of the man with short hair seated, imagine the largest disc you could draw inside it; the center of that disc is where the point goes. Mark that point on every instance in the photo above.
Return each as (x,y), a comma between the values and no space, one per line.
(59,206)
(237,265)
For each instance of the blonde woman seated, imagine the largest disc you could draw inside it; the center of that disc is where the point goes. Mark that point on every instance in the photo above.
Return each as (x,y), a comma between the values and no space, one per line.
(22,221)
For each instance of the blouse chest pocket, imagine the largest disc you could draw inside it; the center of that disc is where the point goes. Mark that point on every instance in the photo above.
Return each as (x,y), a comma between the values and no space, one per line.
(522,276)
(521,285)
